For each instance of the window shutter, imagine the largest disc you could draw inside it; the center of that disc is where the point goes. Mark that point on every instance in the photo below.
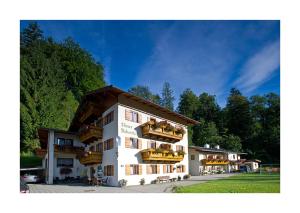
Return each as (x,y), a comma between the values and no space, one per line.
(127,169)
(171,168)
(148,168)
(140,169)
(177,148)
(164,169)
(158,169)
(127,115)
(156,145)
(105,169)
(183,168)
(140,118)
(127,142)
(177,169)
(112,170)
(140,143)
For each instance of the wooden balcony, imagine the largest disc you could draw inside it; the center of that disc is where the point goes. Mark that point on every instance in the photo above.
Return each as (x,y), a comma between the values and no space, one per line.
(90,133)
(90,158)
(68,149)
(161,131)
(161,156)
(41,152)
(61,149)
(215,162)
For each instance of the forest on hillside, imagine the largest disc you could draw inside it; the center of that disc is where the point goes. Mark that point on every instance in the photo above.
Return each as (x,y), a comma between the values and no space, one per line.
(54,77)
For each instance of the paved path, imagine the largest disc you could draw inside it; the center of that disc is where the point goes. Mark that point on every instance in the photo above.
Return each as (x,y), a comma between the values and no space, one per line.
(149,188)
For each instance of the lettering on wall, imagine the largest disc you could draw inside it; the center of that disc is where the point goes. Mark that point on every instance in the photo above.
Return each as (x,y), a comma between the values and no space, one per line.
(127,129)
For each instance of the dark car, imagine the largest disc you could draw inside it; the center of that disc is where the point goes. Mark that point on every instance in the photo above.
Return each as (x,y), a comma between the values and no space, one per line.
(23,187)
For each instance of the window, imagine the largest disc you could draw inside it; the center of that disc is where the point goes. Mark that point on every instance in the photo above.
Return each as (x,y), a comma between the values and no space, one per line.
(192,157)
(133,143)
(180,168)
(179,148)
(133,169)
(64,162)
(151,145)
(99,147)
(133,116)
(109,144)
(233,156)
(165,146)
(108,118)
(109,170)
(92,148)
(168,168)
(153,169)
(64,142)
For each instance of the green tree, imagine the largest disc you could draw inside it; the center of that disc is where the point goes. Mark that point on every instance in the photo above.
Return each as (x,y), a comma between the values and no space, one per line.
(53,77)
(167,97)
(231,142)
(144,92)
(206,133)
(238,116)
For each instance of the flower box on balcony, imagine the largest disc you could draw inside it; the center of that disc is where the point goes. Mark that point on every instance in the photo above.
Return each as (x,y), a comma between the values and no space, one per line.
(158,156)
(162,131)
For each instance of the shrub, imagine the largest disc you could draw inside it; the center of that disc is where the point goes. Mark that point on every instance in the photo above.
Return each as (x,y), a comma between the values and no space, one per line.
(185,177)
(122,182)
(179,178)
(142,181)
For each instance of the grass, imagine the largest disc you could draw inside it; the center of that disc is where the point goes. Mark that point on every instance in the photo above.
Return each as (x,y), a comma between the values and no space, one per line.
(30,161)
(242,183)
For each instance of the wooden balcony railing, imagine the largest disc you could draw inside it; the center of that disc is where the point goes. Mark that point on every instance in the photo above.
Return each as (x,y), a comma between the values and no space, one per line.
(90,158)
(61,149)
(41,152)
(90,133)
(68,149)
(161,156)
(162,131)
(214,162)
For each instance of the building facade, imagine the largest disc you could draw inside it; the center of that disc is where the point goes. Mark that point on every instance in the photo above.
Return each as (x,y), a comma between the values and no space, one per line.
(211,160)
(120,136)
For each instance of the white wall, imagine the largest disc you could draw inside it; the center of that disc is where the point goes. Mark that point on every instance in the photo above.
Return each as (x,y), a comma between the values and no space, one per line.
(77,169)
(133,156)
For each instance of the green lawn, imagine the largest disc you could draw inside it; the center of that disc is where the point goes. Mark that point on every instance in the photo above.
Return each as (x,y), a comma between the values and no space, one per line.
(242,183)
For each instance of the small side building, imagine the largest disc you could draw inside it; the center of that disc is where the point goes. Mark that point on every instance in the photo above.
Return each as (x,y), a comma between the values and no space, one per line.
(211,160)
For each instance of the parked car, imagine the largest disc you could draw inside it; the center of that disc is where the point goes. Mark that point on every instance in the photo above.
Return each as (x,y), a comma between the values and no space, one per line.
(32,175)
(23,187)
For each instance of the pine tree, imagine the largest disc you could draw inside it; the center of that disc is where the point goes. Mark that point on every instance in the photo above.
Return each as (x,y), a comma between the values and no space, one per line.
(167,97)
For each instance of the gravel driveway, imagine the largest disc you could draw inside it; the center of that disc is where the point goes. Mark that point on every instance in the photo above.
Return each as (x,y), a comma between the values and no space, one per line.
(150,188)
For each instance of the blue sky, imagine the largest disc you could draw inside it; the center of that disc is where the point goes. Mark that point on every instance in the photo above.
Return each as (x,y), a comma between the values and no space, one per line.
(205,56)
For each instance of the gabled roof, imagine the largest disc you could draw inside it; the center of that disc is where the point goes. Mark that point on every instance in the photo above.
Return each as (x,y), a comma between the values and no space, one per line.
(115,93)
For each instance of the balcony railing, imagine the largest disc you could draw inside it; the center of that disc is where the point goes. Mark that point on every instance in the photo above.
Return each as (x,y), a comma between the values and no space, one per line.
(163,156)
(90,158)
(41,152)
(215,162)
(61,149)
(90,133)
(162,131)
(68,149)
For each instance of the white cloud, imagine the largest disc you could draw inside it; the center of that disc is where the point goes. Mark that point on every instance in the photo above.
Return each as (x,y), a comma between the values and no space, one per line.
(259,68)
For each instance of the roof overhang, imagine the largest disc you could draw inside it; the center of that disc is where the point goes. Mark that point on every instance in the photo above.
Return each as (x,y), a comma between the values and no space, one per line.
(100,96)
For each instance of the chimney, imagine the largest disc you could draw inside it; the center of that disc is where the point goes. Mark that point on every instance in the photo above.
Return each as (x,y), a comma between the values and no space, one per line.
(206,146)
(217,146)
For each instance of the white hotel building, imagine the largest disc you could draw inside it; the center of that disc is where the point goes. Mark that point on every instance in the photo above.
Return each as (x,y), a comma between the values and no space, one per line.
(119,134)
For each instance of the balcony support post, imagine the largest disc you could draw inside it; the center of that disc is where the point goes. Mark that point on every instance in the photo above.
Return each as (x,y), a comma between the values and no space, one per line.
(50,157)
